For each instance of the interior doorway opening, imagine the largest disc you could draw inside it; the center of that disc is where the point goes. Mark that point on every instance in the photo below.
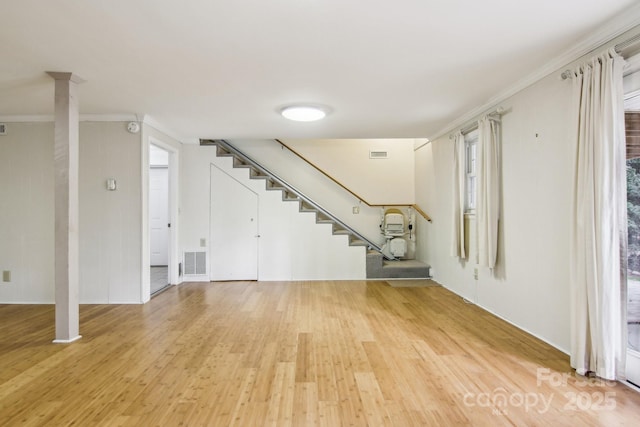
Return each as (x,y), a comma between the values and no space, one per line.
(632,273)
(159,218)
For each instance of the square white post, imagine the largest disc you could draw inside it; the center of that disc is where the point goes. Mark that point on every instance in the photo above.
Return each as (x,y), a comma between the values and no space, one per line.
(66,161)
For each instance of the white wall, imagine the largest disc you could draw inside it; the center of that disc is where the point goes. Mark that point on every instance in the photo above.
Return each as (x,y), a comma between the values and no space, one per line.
(110,221)
(26,213)
(378,181)
(530,286)
(426,197)
(315,185)
(110,226)
(291,247)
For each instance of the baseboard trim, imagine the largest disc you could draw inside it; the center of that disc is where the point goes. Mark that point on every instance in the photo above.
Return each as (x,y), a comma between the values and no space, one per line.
(67,341)
(506,320)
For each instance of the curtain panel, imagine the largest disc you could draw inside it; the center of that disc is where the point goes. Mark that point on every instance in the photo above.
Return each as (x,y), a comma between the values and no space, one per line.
(458,196)
(488,192)
(598,314)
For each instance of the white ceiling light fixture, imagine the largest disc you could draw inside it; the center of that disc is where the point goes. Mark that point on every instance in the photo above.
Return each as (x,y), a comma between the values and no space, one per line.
(304,113)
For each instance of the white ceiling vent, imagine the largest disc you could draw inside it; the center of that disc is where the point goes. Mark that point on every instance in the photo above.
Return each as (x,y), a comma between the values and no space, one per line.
(378,154)
(3,129)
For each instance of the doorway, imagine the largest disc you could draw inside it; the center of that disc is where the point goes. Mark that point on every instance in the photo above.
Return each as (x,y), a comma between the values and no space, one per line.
(234,229)
(632,135)
(159,218)
(632,124)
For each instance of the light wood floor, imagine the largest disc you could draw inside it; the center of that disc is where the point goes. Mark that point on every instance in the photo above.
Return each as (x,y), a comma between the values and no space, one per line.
(295,353)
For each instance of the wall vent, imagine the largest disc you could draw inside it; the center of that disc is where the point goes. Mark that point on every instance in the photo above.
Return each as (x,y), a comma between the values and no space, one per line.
(195,263)
(3,129)
(378,154)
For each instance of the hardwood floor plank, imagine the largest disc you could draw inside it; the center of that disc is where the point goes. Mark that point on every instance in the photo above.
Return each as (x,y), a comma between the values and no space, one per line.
(372,399)
(350,353)
(305,403)
(325,376)
(305,360)
(383,373)
(328,413)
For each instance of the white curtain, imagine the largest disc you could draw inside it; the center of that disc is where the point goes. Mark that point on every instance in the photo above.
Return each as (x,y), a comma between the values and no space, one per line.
(488,191)
(598,326)
(458,196)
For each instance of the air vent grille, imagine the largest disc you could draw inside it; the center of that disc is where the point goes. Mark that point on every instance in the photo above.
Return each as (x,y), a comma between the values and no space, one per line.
(195,263)
(378,154)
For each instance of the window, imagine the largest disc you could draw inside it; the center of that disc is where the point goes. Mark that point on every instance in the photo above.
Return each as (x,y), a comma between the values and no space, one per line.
(470,143)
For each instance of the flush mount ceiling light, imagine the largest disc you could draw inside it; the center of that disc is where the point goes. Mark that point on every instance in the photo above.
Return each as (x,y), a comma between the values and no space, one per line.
(303,113)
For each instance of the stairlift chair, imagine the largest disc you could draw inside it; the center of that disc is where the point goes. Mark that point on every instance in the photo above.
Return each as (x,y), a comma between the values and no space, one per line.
(393,230)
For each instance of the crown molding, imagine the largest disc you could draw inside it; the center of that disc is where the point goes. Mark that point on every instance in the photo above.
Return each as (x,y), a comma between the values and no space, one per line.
(27,118)
(607,33)
(109,118)
(40,118)
(126,117)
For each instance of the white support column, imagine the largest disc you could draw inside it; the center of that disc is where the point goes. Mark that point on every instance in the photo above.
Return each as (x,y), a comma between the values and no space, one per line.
(66,207)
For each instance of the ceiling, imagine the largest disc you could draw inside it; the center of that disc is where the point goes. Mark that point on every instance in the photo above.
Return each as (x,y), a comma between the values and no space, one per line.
(222,69)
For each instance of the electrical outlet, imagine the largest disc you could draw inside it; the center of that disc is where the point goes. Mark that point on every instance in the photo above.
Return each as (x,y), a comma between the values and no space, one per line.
(203,243)
(356,210)
(6,276)
(475,273)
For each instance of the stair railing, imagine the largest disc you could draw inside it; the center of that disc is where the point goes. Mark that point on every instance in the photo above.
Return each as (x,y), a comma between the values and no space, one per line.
(348,190)
(245,158)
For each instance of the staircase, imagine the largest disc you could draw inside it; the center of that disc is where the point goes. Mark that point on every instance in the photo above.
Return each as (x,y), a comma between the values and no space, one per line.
(378,265)
(289,193)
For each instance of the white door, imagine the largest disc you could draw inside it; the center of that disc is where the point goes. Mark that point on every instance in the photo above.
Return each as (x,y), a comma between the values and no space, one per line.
(159,215)
(234,229)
